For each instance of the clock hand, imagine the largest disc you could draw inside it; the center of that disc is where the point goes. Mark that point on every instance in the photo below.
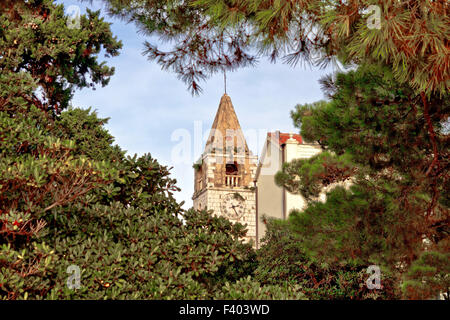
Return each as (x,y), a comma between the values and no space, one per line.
(235,210)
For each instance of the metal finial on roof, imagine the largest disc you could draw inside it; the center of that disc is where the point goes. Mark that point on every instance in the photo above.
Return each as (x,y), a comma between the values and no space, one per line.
(225,80)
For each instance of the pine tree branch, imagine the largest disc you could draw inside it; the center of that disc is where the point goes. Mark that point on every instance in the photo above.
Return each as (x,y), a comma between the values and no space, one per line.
(435,162)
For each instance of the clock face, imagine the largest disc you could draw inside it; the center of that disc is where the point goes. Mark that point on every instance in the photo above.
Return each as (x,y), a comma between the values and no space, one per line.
(233,206)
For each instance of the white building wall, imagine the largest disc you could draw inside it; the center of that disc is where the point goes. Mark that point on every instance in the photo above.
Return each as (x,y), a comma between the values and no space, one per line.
(295,150)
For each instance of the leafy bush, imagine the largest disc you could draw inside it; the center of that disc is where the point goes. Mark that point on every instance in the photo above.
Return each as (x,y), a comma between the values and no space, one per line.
(286,257)
(249,289)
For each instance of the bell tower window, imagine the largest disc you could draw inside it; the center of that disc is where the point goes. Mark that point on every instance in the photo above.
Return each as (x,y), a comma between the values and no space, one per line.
(232,168)
(232,175)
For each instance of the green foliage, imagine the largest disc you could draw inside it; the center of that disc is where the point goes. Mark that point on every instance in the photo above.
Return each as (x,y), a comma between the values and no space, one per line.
(373,118)
(355,225)
(287,257)
(141,255)
(249,289)
(197,165)
(35,39)
(428,276)
(39,170)
(376,134)
(86,130)
(308,177)
(300,115)
(208,36)
(238,196)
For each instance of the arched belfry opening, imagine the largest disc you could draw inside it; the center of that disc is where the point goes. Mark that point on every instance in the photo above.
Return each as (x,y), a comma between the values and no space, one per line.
(232,168)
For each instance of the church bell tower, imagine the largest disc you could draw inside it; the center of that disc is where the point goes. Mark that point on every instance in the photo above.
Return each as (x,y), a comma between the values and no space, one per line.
(224,175)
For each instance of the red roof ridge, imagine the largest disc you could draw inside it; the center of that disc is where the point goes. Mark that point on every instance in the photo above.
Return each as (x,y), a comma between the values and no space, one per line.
(284,136)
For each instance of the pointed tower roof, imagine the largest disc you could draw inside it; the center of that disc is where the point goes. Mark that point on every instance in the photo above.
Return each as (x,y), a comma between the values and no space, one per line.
(226,131)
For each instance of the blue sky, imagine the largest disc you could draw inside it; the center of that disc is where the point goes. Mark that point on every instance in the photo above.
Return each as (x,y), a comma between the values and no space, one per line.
(148,106)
